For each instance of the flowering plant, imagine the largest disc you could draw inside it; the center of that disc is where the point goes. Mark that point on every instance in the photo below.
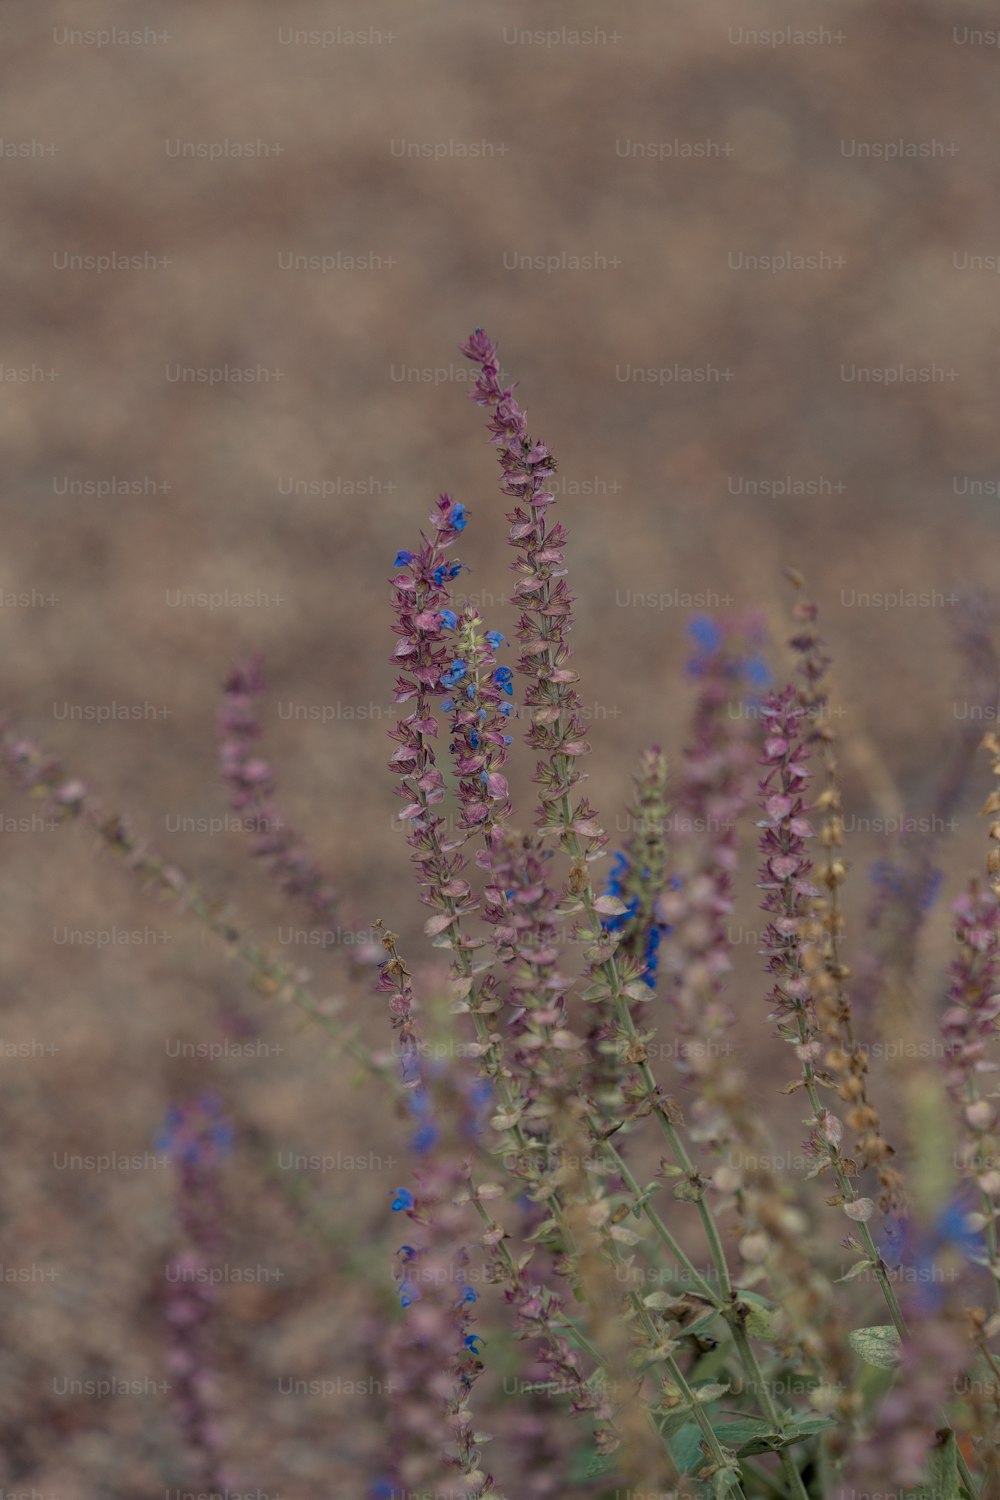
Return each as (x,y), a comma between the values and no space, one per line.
(693,1317)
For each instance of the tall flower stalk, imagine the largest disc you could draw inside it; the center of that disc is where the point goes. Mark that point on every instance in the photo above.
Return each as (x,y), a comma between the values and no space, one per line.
(197,1138)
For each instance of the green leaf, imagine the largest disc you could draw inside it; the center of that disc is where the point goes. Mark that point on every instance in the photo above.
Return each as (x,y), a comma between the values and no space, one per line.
(710,1392)
(942,1473)
(877,1346)
(688,1192)
(762,1315)
(587,1463)
(659,1301)
(744,1438)
(857,1269)
(797,1429)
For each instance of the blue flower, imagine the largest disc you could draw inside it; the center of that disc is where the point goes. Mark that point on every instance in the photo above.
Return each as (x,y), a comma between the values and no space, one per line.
(423,1139)
(473,739)
(402,558)
(408,1294)
(458,518)
(481,1094)
(471,1340)
(757,672)
(420,1104)
(652,955)
(506,709)
(504,679)
(931,890)
(448,705)
(468,1294)
(617,873)
(705,632)
(449,619)
(453,673)
(447,570)
(494,638)
(403,1199)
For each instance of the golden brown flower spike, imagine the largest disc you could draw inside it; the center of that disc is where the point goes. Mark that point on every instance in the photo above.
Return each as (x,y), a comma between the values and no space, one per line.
(845,1059)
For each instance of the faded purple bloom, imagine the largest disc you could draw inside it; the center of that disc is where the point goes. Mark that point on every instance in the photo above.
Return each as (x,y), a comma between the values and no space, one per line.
(198,1138)
(557,728)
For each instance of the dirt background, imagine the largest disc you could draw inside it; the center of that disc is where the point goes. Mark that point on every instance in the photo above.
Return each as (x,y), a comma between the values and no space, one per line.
(297,487)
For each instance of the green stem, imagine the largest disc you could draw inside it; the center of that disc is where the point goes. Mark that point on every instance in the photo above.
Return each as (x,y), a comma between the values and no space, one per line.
(752,1365)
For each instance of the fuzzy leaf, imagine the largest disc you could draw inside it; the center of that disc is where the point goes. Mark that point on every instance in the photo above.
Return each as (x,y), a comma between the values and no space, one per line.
(610,906)
(878,1345)
(745,1438)
(658,1301)
(761,1315)
(857,1269)
(942,1473)
(710,1392)
(438,923)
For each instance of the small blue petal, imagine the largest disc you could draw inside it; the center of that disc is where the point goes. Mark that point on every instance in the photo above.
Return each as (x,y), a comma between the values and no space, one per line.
(424,1138)
(757,672)
(449,619)
(705,632)
(403,1199)
(494,638)
(402,558)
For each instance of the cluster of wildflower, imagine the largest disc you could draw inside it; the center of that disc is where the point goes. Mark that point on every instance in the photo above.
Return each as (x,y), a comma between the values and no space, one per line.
(478,722)
(785,872)
(715,789)
(433,1353)
(198,1138)
(641,926)
(552,702)
(251,784)
(845,1061)
(420,596)
(969,1025)
(556,1115)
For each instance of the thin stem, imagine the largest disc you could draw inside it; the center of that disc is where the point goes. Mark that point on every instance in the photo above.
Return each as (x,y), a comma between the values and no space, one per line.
(752,1364)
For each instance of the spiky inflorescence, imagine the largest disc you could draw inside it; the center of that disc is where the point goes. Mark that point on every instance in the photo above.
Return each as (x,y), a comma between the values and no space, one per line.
(197,1138)
(969,1026)
(557,728)
(251,784)
(636,880)
(433,1355)
(715,789)
(845,1059)
(420,593)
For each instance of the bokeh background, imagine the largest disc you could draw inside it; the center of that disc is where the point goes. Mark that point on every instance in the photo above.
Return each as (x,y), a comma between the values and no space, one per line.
(428,160)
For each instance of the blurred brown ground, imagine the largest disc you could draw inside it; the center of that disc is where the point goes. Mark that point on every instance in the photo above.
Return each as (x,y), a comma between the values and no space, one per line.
(656,479)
